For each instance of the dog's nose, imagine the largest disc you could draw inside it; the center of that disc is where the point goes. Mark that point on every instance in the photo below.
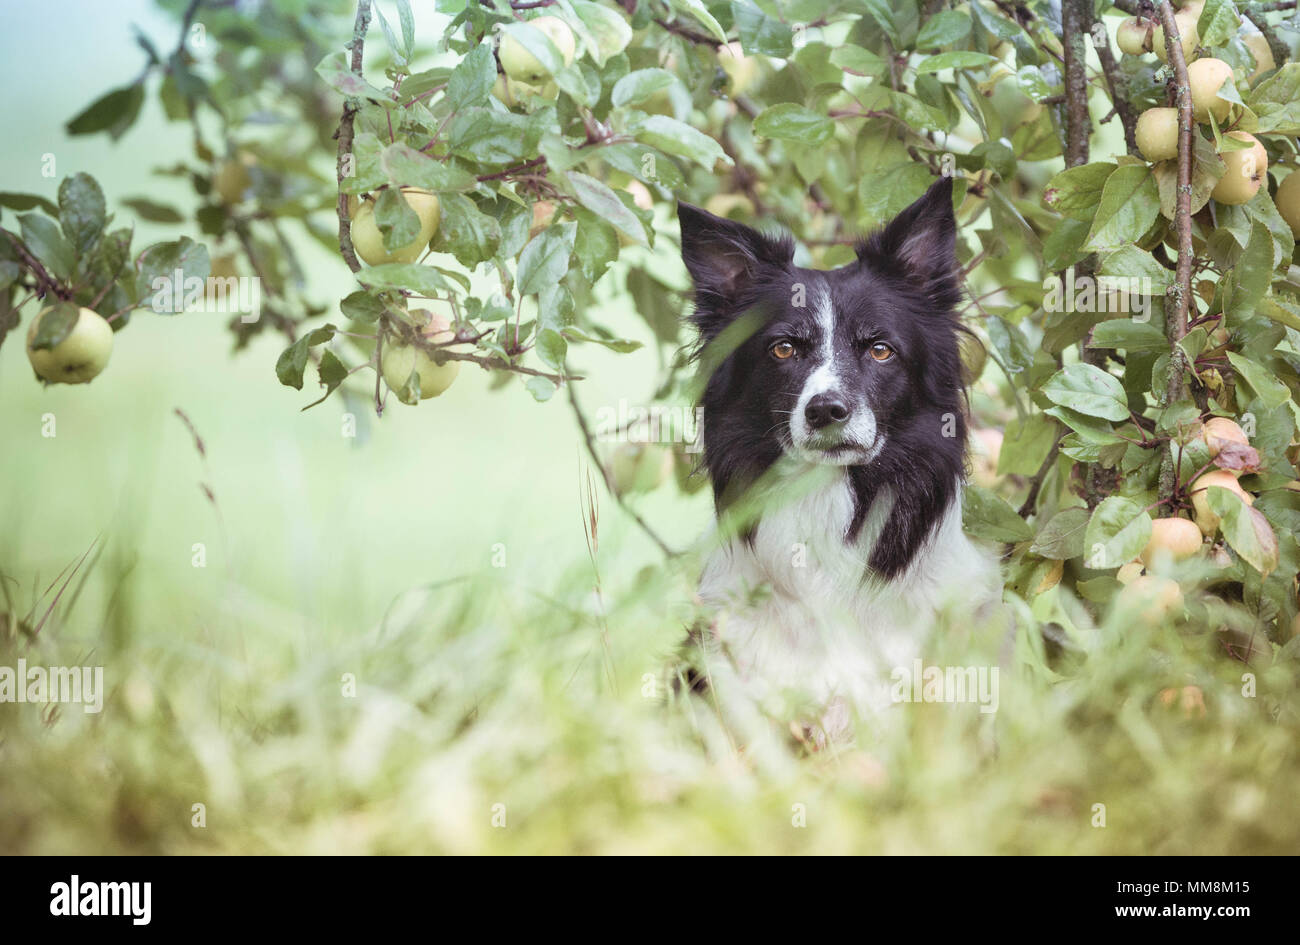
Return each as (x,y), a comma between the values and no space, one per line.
(825,409)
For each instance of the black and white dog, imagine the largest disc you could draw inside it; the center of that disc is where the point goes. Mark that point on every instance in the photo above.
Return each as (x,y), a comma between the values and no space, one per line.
(835,438)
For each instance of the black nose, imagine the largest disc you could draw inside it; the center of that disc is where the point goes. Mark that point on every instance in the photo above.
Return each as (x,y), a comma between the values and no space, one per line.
(825,409)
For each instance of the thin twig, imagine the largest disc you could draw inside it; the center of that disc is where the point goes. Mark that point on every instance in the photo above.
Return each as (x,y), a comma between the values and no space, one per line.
(345,135)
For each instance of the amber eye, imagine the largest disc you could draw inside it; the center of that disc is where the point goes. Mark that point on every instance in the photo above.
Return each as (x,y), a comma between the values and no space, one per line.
(881,351)
(782,350)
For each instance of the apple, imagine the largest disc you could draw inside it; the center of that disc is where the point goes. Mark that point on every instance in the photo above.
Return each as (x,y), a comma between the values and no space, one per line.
(1246,170)
(1177,538)
(223,267)
(1206,77)
(741,70)
(1186,21)
(1130,572)
(522,65)
(400,359)
(513,93)
(1288,201)
(543,214)
(1157,134)
(1132,36)
(369,241)
(974,356)
(1156,597)
(78,358)
(1220,429)
(1259,48)
(637,467)
(1206,520)
(232,180)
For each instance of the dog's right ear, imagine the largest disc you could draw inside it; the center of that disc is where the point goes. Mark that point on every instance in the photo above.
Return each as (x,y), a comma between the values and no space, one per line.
(725,259)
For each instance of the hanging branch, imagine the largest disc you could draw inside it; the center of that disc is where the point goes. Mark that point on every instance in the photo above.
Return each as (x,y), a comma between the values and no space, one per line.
(345,133)
(1118,85)
(1075,20)
(1179,295)
(1280,50)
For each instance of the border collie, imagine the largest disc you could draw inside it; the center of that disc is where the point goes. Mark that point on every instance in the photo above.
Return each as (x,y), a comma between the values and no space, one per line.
(835,439)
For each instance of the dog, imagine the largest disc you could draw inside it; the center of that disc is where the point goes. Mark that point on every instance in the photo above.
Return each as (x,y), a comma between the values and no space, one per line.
(834,435)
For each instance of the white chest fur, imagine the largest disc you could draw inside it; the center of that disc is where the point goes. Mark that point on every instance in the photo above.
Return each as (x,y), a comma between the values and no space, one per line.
(800,620)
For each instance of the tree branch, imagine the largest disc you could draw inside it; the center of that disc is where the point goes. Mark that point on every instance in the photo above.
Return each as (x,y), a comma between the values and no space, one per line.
(1076,17)
(47,283)
(1118,86)
(1280,50)
(1179,295)
(345,134)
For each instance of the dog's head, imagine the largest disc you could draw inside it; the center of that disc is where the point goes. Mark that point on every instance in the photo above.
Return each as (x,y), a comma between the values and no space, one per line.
(840,367)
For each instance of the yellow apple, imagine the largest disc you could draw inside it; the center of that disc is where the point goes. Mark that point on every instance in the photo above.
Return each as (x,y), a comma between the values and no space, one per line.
(543,214)
(1177,538)
(513,93)
(79,357)
(522,65)
(1132,36)
(232,180)
(399,360)
(1155,597)
(1206,77)
(1186,22)
(369,241)
(1259,48)
(1288,201)
(1218,430)
(1246,170)
(1206,519)
(1130,572)
(1157,134)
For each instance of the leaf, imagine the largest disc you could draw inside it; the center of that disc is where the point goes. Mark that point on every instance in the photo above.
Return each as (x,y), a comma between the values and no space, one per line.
(1218,22)
(1269,389)
(406,167)
(943,29)
(621,345)
(792,122)
(361,306)
(537,44)
(411,277)
(27,202)
(1025,444)
(1086,429)
(1088,390)
(697,10)
(398,223)
(1276,101)
(407,19)
(165,268)
(1129,335)
(401,55)
(466,232)
(545,259)
(675,137)
(1130,203)
(603,202)
(338,75)
(611,32)
(292,362)
(761,34)
(959,59)
(987,515)
(114,112)
(56,323)
(1077,192)
(471,81)
(82,212)
(1251,275)
(552,348)
(332,373)
(485,136)
(154,212)
(42,236)
(1117,532)
(542,388)
(857,60)
(640,85)
(1244,528)
(1062,537)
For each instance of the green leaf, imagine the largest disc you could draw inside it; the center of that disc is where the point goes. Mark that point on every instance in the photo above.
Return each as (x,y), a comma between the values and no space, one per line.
(486,136)
(411,277)
(987,515)
(471,81)
(603,202)
(1129,335)
(674,137)
(1244,528)
(332,373)
(292,362)
(943,29)
(361,306)
(398,223)
(1218,22)
(165,268)
(761,34)
(407,19)
(621,345)
(42,237)
(114,112)
(1276,101)
(610,31)
(545,259)
(959,59)
(857,60)
(1117,532)
(1076,192)
(24,202)
(792,122)
(406,167)
(542,389)
(1063,537)
(1130,203)
(640,85)
(596,244)
(1088,390)
(552,348)
(466,232)
(56,323)
(338,75)
(1086,429)
(1025,445)
(700,13)
(152,211)
(1251,275)
(1271,391)
(82,212)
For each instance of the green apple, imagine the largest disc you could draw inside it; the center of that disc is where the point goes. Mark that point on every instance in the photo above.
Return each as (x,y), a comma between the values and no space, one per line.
(1157,134)
(742,70)
(513,93)
(1288,201)
(1206,519)
(231,179)
(1132,36)
(1187,32)
(400,360)
(1206,77)
(1247,169)
(78,358)
(369,241)
(636,467)
(523,66)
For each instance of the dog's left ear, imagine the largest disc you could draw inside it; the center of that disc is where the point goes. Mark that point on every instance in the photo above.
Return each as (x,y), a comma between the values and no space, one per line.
(725,259)
(921,242)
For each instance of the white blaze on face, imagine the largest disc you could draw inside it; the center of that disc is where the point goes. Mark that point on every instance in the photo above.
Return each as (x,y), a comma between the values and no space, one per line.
(860,427)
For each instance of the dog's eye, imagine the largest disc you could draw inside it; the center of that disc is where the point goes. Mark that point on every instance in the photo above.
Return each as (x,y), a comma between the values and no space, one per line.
(782,350)
(881,351)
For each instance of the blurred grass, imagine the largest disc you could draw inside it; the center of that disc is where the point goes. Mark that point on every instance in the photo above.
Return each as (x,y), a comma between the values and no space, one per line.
(371,559)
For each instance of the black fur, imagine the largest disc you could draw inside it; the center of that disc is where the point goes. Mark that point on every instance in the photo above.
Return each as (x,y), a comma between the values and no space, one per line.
(902,290)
